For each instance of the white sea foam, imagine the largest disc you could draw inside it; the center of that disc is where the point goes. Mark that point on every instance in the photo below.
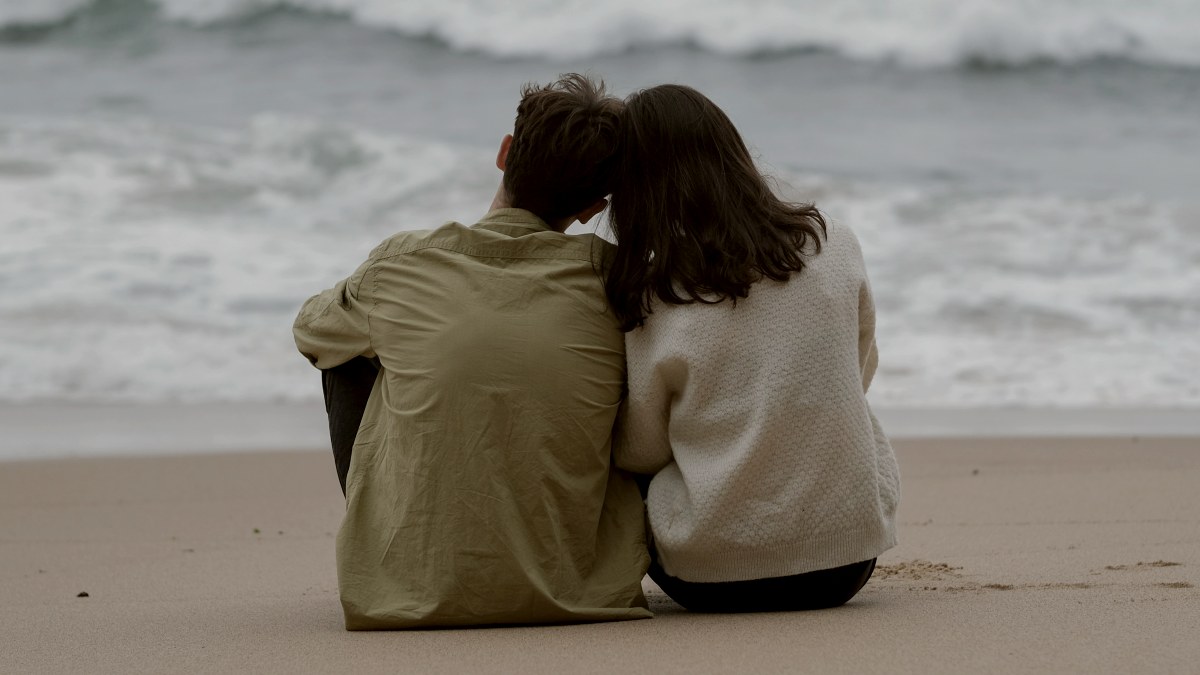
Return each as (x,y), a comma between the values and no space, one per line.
(917,32)
(145,262)
(1029,300)
(154,262)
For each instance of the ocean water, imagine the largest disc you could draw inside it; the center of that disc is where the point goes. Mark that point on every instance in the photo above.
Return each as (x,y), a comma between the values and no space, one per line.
(176,177)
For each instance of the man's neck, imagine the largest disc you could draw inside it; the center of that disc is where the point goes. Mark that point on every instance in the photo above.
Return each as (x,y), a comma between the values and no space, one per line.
(502,201)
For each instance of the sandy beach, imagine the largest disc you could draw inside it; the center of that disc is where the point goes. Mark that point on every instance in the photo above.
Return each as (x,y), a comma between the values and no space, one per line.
(1016,555)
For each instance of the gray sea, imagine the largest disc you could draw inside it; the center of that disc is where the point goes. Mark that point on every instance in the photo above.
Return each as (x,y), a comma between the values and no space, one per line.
(176,177)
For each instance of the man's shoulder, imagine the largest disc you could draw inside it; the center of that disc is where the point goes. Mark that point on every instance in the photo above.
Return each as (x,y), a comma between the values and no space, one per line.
(480,241)
(407,241)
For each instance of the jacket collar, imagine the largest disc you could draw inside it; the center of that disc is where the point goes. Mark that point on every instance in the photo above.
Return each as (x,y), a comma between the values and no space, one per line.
(509,219)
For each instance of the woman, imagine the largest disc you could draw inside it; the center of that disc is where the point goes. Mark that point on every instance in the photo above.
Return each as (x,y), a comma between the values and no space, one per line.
(750,347)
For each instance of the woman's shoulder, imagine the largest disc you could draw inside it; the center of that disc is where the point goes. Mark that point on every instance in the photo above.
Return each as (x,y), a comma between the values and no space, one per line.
(840,239)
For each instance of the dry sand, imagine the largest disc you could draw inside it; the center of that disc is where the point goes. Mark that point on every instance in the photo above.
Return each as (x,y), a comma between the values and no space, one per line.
(1018,555)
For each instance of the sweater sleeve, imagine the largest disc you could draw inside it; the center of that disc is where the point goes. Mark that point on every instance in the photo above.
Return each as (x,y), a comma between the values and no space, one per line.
(868,354)
(641,443)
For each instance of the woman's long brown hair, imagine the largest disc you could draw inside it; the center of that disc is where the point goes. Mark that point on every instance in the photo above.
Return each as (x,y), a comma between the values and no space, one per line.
(693,218)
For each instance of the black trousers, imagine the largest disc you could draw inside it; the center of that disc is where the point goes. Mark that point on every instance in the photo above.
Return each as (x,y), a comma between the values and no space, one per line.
(347,388)
(814,590)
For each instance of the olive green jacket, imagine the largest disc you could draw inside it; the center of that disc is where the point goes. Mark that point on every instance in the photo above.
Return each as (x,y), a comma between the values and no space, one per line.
(481,489)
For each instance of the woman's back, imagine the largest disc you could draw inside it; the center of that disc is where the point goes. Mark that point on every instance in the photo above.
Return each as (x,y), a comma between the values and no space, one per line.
(753,416)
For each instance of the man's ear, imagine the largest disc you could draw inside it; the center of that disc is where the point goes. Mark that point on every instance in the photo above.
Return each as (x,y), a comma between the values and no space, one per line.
(502,155)
(591,211)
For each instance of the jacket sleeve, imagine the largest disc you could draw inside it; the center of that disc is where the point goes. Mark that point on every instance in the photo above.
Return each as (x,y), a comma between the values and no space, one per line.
(641,443)
(333,326)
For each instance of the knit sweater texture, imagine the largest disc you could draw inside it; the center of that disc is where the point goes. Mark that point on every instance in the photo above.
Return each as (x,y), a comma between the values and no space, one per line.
(753,418)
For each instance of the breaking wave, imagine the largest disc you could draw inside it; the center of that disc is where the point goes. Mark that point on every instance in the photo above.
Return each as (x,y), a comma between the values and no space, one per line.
(921,33)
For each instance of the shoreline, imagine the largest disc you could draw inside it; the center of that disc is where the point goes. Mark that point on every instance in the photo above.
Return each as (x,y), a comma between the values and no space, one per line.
(60,430)
(1016,555)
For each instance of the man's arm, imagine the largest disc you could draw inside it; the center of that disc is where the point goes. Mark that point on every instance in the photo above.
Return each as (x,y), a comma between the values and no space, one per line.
(333,326)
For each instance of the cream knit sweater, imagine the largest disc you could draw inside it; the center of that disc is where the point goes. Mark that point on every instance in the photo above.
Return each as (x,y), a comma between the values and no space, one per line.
(753,418)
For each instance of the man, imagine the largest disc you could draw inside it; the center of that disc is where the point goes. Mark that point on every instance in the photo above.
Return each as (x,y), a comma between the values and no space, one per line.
(479,489)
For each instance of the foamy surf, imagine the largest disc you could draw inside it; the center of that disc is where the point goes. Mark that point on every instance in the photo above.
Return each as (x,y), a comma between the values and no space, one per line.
(923,33)
(149,262)
(156,262)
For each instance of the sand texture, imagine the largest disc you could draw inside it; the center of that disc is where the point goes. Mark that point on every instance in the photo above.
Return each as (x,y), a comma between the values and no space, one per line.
(1017,555)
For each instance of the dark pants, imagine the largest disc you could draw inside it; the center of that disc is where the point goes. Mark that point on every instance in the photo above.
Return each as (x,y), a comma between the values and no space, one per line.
(815,590)
(347,388)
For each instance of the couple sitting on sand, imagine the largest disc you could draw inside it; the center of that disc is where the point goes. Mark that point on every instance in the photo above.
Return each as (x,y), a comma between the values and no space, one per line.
(525,422)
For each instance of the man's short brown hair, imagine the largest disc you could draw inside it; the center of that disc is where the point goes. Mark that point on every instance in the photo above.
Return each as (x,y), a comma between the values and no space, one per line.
(564,147)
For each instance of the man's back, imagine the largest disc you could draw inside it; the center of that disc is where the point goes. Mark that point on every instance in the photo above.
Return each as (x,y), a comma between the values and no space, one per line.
(480,489)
